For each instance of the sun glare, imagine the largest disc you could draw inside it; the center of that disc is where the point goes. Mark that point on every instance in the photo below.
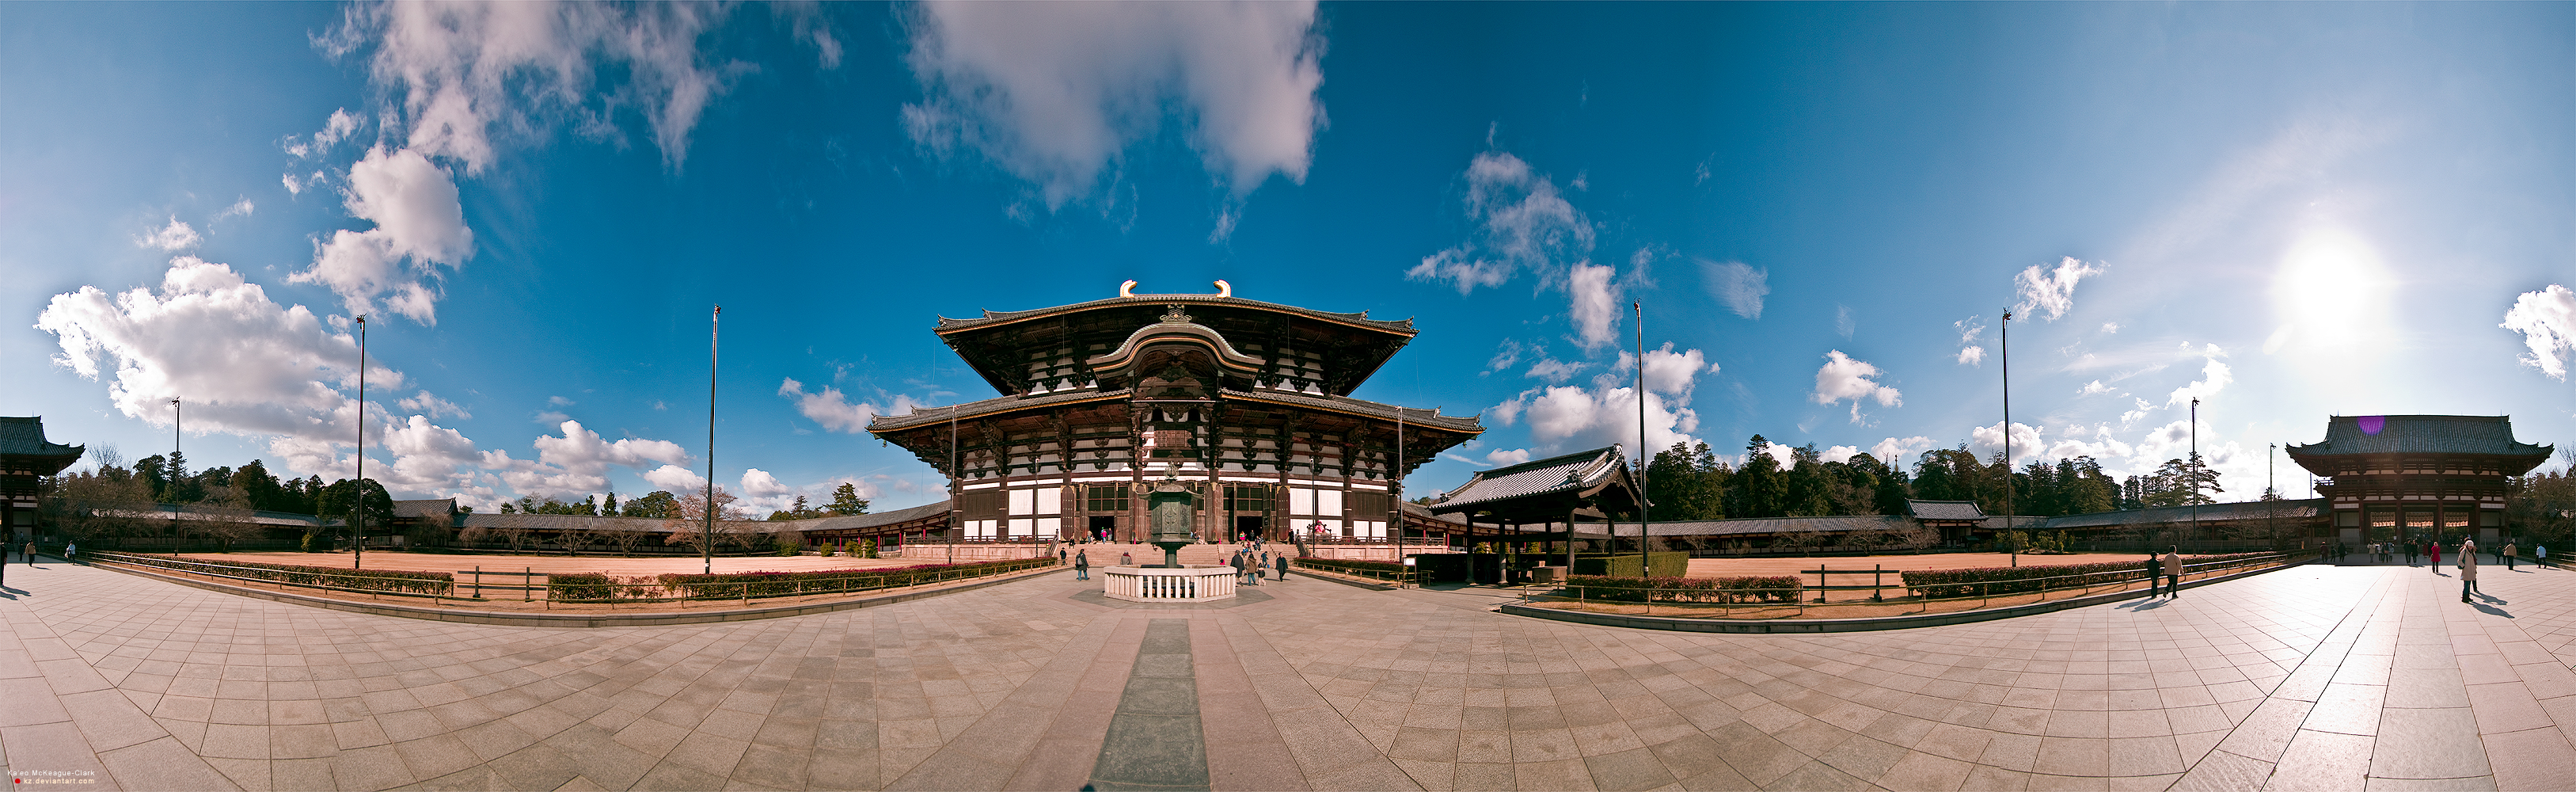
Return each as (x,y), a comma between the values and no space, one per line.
(2332,294)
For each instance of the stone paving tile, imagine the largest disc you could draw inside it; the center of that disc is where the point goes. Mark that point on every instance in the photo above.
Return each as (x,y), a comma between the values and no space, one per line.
(2316,677)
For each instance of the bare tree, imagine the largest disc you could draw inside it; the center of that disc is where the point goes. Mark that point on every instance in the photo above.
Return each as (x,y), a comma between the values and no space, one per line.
(229,513)
(692,517)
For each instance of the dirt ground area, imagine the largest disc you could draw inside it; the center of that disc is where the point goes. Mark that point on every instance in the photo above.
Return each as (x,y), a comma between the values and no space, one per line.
(550,564)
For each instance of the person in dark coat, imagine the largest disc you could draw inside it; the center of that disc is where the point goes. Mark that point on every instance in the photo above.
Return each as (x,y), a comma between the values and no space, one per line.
(2155,569)
(1082,565)
(1283,566)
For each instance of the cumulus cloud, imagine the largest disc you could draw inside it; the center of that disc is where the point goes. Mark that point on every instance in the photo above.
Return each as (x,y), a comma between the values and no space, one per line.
(833,409)
(1670,372)
(1840,453)
(2049,293)
(1737,285)
(2094,388)
(426,456)
(1893,450)
(1521,222)
(1844,378)
(1970,330)
(2547,321)
(1056,93)
(1987,440)
(246,365)
(1507,456)
(577,462)
(1594,305)
(176,236)
(2214,377)
(430,404)
(339,126)
(1578,417)
(675,479)
(468,71)
(413,203)
(1555,371)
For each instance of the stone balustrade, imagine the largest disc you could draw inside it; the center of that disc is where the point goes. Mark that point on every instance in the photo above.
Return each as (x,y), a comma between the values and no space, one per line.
(1156,584)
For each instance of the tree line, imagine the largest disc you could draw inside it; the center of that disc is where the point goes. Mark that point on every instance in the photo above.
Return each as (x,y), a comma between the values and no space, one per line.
(1692,483)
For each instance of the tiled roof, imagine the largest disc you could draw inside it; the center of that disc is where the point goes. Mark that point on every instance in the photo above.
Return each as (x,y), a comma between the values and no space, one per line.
(857,521)
(2209,512)
(1945,510)
(1414,416)
(921,416)
(1846,523)
(1403,326)
(26,436)
(2420,434)
(437,508)
(565,522)
(1554,474)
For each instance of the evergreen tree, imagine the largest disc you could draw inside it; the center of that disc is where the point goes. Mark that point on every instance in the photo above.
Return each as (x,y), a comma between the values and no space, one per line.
(659,505)
(1687,484)
(263,489)
(846,500)
(608,508)
(1760,488)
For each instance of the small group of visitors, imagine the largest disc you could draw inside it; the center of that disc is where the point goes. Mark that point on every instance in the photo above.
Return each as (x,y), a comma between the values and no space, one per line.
(2168,567)
(1249,566)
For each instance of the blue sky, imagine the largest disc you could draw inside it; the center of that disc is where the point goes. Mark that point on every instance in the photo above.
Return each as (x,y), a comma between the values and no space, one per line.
(2289,210)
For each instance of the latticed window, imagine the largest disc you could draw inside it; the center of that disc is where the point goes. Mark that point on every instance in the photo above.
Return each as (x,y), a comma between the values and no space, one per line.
(1247,499)
(1105,499)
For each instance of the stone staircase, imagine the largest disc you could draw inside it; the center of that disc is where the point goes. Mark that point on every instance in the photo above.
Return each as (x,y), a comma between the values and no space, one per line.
(1106,554)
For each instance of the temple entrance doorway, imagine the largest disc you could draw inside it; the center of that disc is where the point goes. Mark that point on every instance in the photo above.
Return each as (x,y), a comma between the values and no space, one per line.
(1103,525)
(1248,526)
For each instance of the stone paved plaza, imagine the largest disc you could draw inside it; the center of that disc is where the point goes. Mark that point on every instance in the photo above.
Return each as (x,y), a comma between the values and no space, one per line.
(2310,678)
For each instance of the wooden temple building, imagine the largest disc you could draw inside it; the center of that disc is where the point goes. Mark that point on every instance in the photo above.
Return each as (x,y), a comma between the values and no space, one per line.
(2400,477)
(1248,401)
(26,457)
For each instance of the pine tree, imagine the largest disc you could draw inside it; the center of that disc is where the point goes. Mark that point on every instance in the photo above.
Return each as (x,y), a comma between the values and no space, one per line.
(846,500)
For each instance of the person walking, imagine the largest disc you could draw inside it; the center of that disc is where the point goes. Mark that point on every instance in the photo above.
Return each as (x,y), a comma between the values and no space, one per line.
(2468,569)
(2173,571)
(2508,556)
(1283,566)
(1059,555)
(1082,565)
(2155,569)
(2433,549)
(1126,559)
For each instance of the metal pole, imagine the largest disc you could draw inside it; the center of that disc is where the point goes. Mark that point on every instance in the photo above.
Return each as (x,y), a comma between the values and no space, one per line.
(1643,453)
(358,500)
(1396,484)
(707,538)
(2272,496)
(956,485)
(2014,542)
(2194,530)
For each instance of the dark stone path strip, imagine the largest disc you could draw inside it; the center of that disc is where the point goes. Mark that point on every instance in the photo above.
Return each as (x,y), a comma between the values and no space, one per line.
(1155,741)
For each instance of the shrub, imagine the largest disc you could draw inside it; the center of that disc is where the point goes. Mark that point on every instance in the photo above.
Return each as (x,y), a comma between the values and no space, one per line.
(1661,564)
(1749,589)
(296,575)
(1980,581)
(777,584)
(787,547)
(577,586)
(1349,565)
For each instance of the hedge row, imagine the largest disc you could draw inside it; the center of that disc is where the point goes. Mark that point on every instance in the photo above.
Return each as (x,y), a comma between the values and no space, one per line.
(1981,581)
(298,575)
(1776,588)
(1349,565)
(774,584)
(577,586)
(1659,564)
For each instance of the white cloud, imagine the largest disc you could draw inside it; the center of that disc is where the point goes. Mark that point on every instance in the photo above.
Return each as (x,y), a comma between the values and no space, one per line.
(338,127)
(560,401)
(833,409)
(2132,416)
(246,365)
(176,236)
(2051,292)
(577,462)
(2110,327)
(1844,378)
(1670,372)
(1986,440)
(1594,305)
(426,456)
(1972,356)
(1840,453)
(418,219)
(1521,223)
(1507,456)
(1787,456)
(1893,451)
(429,404)
(675,479)
(1845,322)
(1574,416)
(2547,321)
(467,70)
(2214,377)
(1055,93)
(1737,285)
(1555,371)
(2094,388)
(240,208)
(1508,353)
(1970,352)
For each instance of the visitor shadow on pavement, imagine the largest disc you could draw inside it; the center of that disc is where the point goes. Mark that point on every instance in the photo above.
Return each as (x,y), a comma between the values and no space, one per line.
(2145,605)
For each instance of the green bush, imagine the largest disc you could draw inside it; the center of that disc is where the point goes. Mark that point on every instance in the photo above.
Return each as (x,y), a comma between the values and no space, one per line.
(1749,589)
(1349,565)
(579,586)
(778,584)
(1661,564)
(1981,581)
(295,575)
(787,547)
